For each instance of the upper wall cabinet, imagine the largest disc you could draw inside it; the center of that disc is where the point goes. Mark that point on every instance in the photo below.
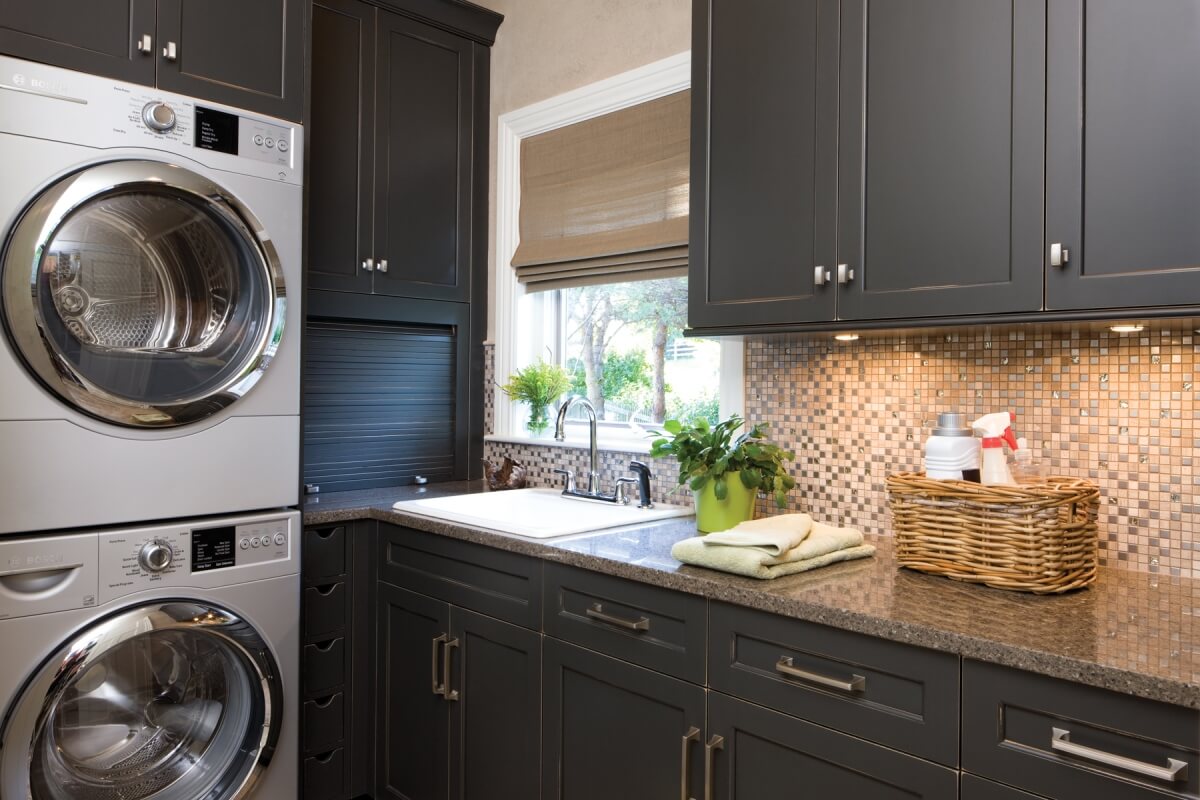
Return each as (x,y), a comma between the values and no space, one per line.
(1123,215)
(244,54)
(940,158)
(394,121)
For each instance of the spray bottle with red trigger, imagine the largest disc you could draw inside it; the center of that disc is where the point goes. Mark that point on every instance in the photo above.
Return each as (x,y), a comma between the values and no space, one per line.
(996,429)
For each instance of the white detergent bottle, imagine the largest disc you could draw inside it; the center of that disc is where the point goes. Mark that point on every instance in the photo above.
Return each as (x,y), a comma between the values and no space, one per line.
(996,429)
(952,452)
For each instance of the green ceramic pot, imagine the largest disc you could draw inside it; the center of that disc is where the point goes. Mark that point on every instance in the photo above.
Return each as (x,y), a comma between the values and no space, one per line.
(720,515)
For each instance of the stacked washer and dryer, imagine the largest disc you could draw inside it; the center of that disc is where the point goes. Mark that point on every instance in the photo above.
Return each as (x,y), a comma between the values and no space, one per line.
(149,443)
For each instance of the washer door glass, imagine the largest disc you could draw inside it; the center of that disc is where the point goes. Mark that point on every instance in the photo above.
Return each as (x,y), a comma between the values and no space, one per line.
(142,294)
(172,702)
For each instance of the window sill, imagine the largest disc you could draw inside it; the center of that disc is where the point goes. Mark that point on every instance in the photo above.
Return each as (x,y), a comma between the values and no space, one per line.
(617,446)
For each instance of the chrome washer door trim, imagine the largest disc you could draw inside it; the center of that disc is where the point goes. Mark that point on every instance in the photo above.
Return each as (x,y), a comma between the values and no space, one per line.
(33,706)
(22,260)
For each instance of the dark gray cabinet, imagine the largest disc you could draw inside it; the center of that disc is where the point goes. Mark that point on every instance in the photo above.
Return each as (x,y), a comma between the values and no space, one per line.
(397,107)
(756,753)
(615,730)
(101,37)
(1123,138)
(244,54)
(973,788)
(940,158)
(764,161)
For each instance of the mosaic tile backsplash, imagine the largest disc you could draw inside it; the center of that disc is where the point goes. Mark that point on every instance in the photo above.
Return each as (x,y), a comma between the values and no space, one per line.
(1120,409)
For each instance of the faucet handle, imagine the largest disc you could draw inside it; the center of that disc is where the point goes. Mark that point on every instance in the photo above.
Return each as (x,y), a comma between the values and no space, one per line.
(619,493)
(568,479)
(642,470)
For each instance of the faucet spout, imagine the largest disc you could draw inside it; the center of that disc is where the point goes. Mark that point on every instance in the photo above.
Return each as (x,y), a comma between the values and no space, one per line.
(560,435)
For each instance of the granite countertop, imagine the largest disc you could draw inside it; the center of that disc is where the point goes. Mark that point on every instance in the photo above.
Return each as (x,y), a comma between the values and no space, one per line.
(1132,632)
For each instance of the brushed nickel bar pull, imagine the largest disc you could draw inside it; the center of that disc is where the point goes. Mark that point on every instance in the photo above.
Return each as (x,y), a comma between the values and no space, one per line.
(1175,771)
(710,756)
(857,683)
(447,692)
(596,611)
(438,688)
(685,761)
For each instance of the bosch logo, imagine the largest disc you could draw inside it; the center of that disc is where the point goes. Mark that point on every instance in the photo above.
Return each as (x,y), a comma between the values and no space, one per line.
(18,79)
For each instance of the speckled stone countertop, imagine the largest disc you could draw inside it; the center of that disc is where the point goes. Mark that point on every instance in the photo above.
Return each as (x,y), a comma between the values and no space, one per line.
(1132,632)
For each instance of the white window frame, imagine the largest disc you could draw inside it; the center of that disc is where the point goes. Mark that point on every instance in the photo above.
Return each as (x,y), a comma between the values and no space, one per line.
(658,79)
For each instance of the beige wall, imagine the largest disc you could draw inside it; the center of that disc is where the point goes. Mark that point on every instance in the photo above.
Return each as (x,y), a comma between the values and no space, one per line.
(547,47)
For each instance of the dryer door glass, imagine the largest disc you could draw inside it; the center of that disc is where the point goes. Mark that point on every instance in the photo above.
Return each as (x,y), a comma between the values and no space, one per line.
(142,294)
(176,701)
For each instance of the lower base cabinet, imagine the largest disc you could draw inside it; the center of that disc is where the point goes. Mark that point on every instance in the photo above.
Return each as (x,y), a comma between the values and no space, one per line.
(459,697)
(613,730)
(757,753)
(973,788)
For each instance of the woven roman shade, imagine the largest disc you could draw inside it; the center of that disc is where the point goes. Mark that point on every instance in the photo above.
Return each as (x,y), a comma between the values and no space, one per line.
(606,199)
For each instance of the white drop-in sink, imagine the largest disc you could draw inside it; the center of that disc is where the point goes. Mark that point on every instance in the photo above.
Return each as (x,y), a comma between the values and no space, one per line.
(536,513)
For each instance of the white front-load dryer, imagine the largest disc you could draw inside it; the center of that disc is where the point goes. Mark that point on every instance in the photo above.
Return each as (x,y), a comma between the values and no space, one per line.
(151,663)
(150,274)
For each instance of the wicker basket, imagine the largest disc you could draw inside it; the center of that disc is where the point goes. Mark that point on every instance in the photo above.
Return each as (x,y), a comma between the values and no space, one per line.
(1036,537)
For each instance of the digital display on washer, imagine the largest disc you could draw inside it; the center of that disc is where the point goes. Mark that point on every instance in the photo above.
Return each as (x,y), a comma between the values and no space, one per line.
(212,548)
(216,130)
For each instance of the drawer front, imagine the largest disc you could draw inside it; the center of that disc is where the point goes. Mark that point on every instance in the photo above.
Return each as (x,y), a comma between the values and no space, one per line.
(494,582)
(324,776)
(1068,741)
(324,666)
(894,694)
(324,609)
(324,553)
(324,722)
(974,788)
(656,628)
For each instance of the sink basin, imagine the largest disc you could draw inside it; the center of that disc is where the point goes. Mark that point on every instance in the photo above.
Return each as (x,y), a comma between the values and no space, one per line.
(536,513)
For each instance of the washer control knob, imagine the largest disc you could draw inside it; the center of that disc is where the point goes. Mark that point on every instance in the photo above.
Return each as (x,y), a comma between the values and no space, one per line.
(158,116)
(156,555)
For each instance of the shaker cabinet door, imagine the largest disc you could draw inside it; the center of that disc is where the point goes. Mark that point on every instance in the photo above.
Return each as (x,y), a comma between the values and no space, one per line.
(1123,188)
(941,158)
(113,38)
(423,182)
(764,162)
(244,54)
(340,133)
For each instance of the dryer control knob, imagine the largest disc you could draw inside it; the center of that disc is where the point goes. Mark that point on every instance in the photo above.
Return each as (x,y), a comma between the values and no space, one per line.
(156,556)
(158,116)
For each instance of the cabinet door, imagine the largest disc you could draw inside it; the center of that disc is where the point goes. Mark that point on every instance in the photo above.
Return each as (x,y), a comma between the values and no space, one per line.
(973,788)
(1125,205)
(765,754)
(243,54)
(412,722)
(495,732)
(100,37)
(424,127)
(942,155)
(615,730)
(341,129)
(764,161)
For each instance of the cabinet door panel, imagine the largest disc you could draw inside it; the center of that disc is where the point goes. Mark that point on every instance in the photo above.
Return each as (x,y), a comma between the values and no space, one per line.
(495,732)
(1126,204)
(243,54)
(767,754)
(614,730)
(340,134)
(423,185)
(99,37)
(764,181)
(412,724)
(941,155)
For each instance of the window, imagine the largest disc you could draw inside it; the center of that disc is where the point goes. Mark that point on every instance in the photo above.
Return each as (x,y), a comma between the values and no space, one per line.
(593,187)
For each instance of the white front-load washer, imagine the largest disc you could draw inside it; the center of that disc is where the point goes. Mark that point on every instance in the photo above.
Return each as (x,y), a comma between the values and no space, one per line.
(151,662)
(149,292)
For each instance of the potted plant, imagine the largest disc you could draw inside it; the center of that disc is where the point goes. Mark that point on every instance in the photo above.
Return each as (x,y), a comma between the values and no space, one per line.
(537,385)
(724,473)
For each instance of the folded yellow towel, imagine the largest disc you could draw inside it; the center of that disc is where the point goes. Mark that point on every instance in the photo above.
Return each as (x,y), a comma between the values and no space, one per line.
(759,549)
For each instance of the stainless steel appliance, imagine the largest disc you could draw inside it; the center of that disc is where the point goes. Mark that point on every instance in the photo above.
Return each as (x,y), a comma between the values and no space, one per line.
(151,662)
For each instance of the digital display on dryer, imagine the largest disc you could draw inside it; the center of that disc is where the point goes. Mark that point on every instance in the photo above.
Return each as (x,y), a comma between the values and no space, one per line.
(212,548)
(216,130)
